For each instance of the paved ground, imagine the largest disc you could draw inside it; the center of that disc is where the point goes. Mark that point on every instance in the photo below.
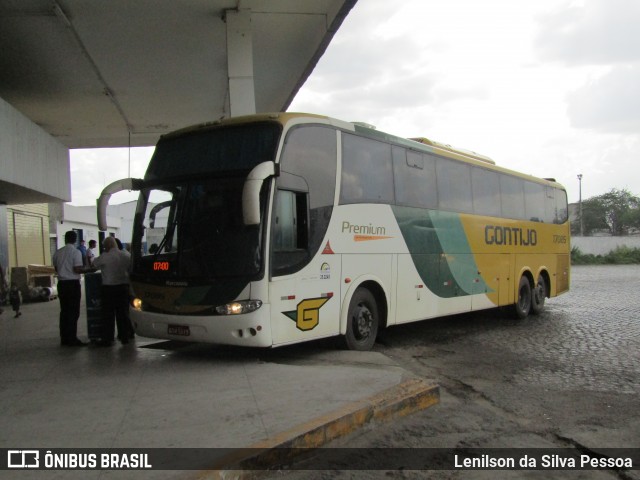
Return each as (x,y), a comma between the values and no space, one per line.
(569,378)
(157,394)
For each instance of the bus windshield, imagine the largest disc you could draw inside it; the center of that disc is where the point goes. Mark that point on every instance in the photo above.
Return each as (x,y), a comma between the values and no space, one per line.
(205,151)
(189,221)
(194,230)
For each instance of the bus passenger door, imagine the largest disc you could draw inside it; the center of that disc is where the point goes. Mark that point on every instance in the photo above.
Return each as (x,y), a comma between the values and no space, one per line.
(306,305)
(304,290)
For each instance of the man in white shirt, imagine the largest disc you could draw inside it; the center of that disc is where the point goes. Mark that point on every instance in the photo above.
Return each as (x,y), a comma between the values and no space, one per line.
(68,264)
(114,266)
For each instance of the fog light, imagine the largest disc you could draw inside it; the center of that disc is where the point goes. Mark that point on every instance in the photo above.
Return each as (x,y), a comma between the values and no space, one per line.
(136,303)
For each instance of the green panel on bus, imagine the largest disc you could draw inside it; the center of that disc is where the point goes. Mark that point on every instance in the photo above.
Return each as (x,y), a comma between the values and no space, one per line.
(440,251)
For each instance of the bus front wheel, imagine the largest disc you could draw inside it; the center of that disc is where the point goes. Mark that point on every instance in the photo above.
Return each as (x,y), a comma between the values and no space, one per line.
(362,321)
(538,296)
(523,303)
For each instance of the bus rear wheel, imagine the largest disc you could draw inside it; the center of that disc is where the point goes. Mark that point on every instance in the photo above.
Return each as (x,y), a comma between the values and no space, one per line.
(522,307)
(362,321)
(538,296)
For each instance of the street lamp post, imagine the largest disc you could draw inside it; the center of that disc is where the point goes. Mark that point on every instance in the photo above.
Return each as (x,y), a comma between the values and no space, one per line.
(580,204)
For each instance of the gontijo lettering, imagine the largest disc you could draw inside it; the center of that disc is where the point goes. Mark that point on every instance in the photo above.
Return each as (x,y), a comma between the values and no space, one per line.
(497,235)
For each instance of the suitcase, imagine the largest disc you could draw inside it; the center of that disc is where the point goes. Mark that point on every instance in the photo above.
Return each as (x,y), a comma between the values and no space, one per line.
(97,331)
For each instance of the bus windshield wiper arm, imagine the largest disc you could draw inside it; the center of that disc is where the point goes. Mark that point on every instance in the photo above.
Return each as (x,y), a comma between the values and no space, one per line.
(165,238)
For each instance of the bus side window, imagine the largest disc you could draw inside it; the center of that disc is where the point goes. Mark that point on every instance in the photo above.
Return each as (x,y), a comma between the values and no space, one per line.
(535,199)
(415,178)
(454,185)
(290,239)
(550,214)
(367,171)
(512,196)
(308,175)
(556,206)
(486,192)
(562,214)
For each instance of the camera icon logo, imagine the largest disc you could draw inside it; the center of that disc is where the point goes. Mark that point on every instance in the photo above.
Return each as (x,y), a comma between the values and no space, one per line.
(23,459)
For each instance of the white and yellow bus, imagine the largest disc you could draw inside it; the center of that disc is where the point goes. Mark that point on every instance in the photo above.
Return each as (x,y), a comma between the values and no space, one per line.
(274,229)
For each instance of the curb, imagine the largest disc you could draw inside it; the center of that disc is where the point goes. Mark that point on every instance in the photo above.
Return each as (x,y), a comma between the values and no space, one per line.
(407,397)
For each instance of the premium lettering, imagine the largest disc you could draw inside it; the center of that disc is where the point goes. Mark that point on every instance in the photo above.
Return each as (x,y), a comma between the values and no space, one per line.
(363,229)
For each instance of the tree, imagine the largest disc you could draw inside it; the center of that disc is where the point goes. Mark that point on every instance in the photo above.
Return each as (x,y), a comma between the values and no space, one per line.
(616,212)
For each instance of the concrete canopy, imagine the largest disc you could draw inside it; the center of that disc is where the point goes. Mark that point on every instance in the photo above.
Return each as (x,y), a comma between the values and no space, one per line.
(122,72)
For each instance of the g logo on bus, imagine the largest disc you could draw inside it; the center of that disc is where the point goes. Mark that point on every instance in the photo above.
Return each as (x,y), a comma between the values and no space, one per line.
(307,315)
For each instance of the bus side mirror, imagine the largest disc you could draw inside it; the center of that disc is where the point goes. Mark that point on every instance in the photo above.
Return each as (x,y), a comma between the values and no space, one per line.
(251,191)
(115,187)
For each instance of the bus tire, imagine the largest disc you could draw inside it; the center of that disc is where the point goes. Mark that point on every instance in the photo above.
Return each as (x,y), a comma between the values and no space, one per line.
(538,296)
(363,320)
(522,307)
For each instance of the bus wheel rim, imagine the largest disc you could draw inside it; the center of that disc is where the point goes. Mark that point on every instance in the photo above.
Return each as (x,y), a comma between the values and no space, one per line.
(362,322)
(539,292)
(524,298)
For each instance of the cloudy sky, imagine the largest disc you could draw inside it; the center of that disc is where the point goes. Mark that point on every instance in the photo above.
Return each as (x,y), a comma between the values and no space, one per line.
(550,88)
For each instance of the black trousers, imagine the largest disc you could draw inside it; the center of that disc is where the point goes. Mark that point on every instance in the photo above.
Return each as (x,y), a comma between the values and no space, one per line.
(115,304)
(69,294)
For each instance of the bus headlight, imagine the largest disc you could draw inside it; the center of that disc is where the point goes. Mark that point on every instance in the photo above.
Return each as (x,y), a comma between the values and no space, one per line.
(136,303)
(236,308)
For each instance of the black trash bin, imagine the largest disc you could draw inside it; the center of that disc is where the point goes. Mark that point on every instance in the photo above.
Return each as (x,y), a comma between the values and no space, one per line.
(96,329)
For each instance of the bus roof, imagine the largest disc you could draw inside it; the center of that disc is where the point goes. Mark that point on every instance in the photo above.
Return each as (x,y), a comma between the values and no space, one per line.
(420,143)
(461,151)
(438,148)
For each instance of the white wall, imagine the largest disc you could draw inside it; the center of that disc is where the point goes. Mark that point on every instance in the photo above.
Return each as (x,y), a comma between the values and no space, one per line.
(125,213)
(34,165)
(603,245)
(119,221)
(85,218)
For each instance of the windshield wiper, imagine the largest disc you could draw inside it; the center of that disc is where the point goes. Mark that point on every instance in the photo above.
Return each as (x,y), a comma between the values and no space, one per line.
(165,238)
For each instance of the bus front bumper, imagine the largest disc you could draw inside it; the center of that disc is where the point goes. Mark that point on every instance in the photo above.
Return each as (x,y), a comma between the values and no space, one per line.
(248,330)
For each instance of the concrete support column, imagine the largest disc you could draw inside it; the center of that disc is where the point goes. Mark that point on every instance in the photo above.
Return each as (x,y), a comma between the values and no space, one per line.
(240,63)
(4,246)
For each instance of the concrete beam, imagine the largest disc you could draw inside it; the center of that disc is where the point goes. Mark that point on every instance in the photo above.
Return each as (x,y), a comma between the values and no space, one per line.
(34,166)
(242,99)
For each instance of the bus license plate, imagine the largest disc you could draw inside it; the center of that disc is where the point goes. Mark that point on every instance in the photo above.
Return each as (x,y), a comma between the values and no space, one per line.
(182,330)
